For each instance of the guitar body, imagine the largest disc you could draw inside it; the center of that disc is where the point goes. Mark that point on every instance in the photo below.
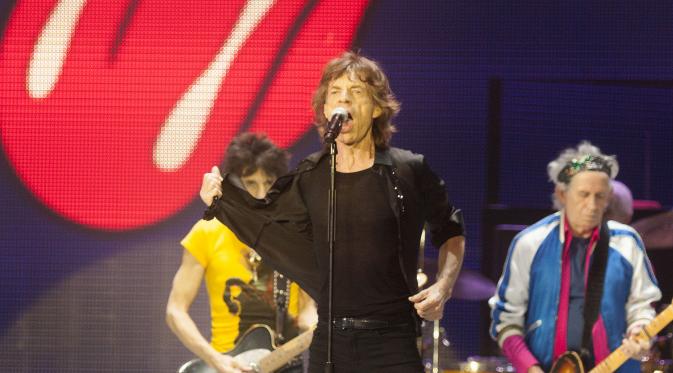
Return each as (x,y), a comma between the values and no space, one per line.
(569,362)
(254,345)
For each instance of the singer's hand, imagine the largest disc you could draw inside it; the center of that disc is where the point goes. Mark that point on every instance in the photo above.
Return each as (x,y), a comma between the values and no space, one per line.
(429,303)
(211,186)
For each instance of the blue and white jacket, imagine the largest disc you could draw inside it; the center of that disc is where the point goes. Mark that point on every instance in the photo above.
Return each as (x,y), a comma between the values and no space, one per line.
(527,298)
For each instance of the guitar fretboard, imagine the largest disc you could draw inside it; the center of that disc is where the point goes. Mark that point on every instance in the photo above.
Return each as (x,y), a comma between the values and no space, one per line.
(618,357)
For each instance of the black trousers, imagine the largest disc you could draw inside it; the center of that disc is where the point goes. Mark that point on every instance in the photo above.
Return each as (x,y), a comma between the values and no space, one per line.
(392,350)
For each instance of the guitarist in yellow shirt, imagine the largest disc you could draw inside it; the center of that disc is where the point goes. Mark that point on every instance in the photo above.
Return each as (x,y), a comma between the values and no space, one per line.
(241,289)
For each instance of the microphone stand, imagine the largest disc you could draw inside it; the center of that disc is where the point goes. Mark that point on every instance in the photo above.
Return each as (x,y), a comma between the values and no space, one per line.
(331,237)
(338,116)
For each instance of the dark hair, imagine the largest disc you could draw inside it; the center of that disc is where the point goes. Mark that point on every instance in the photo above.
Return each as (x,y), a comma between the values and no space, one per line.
(249,152)
(369,72)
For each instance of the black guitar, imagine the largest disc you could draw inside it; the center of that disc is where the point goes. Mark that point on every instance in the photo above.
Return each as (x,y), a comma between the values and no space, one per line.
(257,349)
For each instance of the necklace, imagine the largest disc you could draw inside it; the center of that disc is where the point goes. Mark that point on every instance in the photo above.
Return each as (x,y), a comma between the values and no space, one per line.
(281,296)
(281,285)
(281,291)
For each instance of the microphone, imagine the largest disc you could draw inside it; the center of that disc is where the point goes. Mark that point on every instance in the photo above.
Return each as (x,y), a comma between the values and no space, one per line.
(337,118)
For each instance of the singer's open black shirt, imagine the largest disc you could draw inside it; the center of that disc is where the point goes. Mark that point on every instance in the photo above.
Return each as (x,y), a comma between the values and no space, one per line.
(281,229)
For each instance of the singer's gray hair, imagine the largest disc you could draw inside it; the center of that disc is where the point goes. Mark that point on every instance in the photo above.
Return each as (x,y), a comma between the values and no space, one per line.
(572,157)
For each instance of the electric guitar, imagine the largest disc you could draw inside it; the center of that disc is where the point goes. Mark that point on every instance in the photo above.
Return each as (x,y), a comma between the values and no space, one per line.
(256,349)
(570,362)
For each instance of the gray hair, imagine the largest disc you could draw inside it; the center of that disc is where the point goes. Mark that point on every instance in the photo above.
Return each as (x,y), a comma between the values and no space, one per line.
(570,155)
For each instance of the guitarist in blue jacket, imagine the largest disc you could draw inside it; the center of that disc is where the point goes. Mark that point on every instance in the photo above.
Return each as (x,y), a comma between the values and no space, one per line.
(573,281)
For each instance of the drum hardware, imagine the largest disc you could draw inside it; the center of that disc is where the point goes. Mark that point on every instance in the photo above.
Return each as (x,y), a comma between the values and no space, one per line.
(434,347)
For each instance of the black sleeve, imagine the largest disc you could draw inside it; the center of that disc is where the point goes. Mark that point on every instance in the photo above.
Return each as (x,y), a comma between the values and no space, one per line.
(277,228)
(443,220)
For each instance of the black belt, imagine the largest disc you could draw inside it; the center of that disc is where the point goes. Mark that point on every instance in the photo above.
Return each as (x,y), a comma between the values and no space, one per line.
(345,323)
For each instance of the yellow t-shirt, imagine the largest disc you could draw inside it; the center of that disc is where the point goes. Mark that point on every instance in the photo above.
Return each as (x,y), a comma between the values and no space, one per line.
(235,301)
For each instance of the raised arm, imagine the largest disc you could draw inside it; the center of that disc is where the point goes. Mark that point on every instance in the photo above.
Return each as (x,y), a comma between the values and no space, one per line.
(211,186)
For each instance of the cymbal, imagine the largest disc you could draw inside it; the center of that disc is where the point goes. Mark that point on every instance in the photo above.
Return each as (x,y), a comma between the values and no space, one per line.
(470,285)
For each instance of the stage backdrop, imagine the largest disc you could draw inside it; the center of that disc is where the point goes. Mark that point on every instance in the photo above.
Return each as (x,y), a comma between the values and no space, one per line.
(111,111)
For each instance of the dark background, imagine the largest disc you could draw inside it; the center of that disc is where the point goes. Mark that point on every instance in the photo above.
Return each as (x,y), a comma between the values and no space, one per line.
(490,91)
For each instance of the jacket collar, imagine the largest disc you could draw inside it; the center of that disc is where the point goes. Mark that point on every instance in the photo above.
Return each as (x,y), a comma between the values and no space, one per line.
(383,157)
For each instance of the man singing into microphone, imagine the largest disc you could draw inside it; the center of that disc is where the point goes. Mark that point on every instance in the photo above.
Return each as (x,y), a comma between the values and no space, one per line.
(384,197)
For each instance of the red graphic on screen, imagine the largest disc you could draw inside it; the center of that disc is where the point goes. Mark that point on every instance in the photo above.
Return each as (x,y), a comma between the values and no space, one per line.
(120,140)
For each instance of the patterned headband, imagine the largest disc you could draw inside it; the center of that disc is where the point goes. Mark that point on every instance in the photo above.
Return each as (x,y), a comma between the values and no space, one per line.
(586,163)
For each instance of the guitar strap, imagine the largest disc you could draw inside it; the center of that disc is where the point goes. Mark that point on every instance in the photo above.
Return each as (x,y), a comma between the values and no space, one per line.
(594,289)
(281,297)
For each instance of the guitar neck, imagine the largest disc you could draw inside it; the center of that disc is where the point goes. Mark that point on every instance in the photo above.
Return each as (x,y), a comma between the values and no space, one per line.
(283,354)
(618,357)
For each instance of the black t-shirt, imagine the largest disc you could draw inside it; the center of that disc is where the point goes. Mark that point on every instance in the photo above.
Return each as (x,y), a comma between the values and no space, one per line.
(368,279)
(254,302)
(288,227)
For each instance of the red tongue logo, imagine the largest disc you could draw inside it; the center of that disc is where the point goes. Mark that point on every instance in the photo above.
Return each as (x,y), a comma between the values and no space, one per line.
(114,129)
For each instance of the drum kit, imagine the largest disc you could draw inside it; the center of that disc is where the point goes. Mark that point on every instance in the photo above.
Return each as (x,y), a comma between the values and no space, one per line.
(438,356)
(435,348)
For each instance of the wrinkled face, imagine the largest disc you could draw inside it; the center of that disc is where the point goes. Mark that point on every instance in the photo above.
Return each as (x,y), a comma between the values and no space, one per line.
(585,200)
(258,183)
(350,93)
